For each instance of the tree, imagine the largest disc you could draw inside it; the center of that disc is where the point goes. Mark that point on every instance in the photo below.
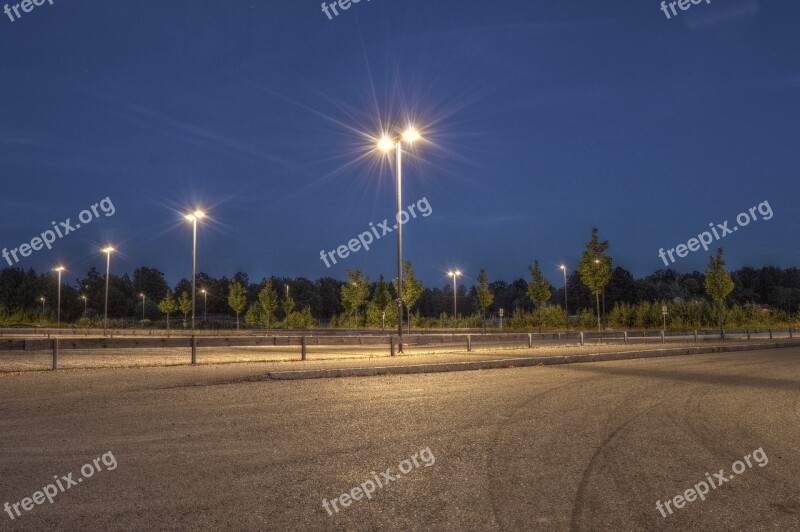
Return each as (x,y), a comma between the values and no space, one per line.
(485,296)
(149,281)
(237,299)
(355,291)
(718,282)
(269,302)
(288,307)
(168,306)
(381,300)
(595,268)
(539,287)
(412,288)
(185,305)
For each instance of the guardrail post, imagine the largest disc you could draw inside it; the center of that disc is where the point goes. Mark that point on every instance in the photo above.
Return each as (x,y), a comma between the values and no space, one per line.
(530,340)
(469,343)
(303,348)
(581,338)
(194,350)
(54,341)
(663,340)
(625,335)
(770,334)
(695,336)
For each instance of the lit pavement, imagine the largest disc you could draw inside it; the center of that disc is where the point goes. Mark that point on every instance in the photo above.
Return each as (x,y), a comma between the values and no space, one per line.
(578,447)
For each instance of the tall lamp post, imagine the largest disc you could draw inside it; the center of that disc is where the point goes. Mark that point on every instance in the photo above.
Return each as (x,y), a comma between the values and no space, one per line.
(566,310)
(388,144)
(42,300)
(454,274)
(143,297)
(196,215)
(59,269)
(108,250)
(84,304)
(205,304)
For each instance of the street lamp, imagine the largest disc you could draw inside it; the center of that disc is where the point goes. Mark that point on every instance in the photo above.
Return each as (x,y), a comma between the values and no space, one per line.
(205,304)
(142,296)
(196,215)
(108,250)
(59,269)
(388,144)
(566,310)
(42,300)
(454,274)
(84,303)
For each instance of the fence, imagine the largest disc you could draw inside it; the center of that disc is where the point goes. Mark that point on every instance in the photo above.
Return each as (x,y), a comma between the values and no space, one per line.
(376,342)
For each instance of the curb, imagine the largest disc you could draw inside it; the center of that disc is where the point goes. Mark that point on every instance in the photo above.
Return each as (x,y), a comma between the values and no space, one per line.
(520,362)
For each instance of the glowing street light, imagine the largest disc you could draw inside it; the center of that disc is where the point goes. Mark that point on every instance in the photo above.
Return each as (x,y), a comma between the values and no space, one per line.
(387,144)
(85,303)
(205,304)
(108,250)
(42,300)
(59,269)
(193,217)
(564,269)
(143,297)
(454,274)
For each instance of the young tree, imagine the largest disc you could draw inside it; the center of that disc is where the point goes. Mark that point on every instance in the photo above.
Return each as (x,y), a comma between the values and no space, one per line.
(595,268)
(381,299)
(254,315)
(412,288)
(718,282)
(186,306)
(288,307)
(539,287)
(237,299)
(168,306)
(269,302)
(355,291)
(485,296)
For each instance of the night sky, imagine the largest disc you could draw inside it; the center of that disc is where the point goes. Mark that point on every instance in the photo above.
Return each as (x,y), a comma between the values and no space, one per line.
(540,120)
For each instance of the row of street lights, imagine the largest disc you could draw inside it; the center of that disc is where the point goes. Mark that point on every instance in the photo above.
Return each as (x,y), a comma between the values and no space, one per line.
(108,250)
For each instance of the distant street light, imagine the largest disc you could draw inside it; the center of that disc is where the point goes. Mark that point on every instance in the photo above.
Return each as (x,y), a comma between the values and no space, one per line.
(108,250)
(42,300)
(84,303)
(454,274)
(205,304)
(143,297)
(196,215)
(59,269)
(388,144)
(566,310)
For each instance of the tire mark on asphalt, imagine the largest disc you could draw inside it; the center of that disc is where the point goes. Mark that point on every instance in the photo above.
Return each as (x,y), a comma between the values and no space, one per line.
(493,499)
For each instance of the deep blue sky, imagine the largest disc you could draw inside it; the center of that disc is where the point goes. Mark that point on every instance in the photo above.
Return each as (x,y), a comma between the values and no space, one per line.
(541,119)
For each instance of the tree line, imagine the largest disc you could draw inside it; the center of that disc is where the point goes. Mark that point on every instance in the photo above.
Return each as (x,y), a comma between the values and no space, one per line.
(596,290)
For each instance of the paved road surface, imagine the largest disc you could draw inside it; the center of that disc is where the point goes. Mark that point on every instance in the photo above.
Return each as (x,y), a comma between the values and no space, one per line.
(579,447)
